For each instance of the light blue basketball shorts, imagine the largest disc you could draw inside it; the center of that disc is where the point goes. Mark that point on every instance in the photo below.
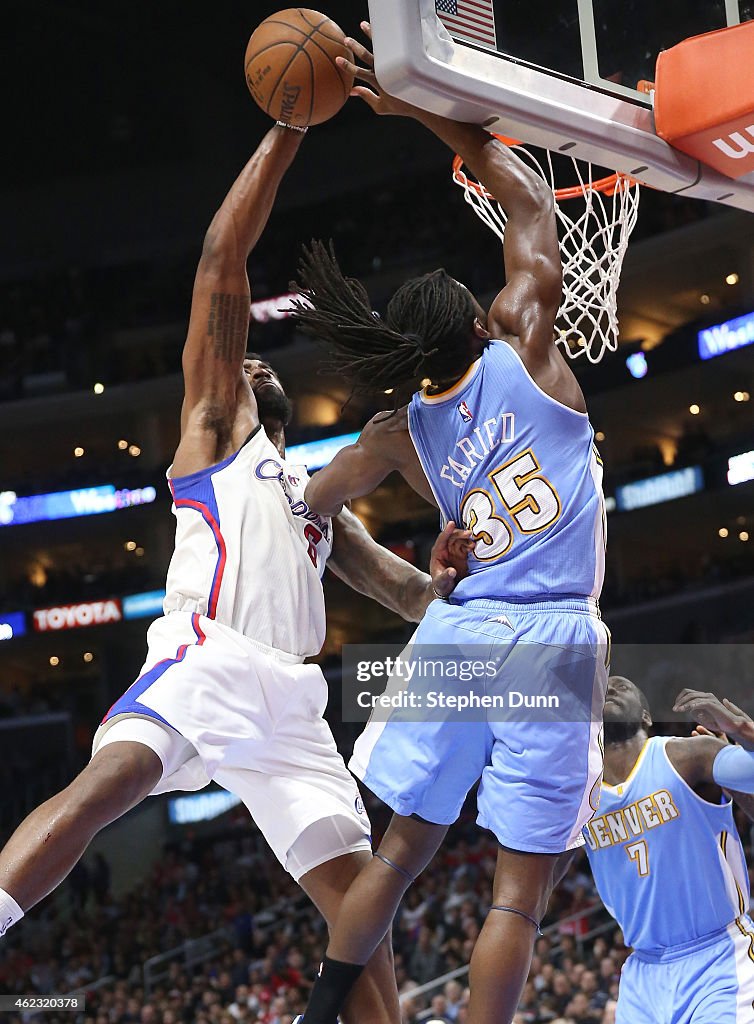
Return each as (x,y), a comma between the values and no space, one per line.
(534,675)
(703,982)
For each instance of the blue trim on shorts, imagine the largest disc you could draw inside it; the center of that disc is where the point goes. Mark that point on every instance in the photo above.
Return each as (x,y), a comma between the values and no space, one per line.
(129,702)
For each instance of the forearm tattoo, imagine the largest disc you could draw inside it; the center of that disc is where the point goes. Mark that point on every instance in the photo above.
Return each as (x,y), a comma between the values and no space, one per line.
(228,325)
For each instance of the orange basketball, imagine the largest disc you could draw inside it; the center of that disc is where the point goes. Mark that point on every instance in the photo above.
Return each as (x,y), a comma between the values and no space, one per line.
(291,70)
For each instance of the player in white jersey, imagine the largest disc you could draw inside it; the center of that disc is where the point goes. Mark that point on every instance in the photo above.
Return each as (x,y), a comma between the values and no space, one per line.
(224,693)
(668,862)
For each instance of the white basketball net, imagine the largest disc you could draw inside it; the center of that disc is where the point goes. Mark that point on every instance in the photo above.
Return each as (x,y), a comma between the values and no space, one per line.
(593,241)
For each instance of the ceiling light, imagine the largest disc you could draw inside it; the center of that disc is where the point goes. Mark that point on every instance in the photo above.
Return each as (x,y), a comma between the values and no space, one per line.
(99,388)
(122,444)
(130,545)
(599,436)
(704,299)
(133,449)
(722,532)
(694,409)
(741,396)
(54,661)
(743,535)
(388,391)
(88,656)
(139,552)
(78,451)
(425,382)
(732,279)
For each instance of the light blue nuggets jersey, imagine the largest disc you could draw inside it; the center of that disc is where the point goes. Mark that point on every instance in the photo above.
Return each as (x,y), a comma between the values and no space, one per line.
(520,471)
(668,865)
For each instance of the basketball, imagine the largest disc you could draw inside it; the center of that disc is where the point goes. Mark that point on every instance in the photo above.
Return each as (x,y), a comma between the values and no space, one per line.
(290,67)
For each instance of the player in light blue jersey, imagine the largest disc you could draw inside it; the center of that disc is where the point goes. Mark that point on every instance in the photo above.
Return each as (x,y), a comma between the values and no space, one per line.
(668,861)
(501,443)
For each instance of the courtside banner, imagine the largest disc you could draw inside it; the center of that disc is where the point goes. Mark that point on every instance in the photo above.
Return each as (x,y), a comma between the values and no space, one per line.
(528,682)
(75,616)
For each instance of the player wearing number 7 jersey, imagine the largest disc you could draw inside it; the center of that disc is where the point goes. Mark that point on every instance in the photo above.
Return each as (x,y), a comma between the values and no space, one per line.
(499,439)
(668,862)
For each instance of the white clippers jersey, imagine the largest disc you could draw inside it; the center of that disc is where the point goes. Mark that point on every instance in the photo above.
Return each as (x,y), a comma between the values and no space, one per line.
(248,551)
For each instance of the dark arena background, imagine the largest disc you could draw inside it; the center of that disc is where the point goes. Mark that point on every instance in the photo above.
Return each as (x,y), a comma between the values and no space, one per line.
(124,125)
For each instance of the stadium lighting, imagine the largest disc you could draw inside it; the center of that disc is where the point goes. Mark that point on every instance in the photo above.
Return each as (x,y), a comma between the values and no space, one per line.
(732,279)
(694,409)
(637,365)
(743,535)
(741,469)
(54,661)
(722,532)
(98,388)
(78,451)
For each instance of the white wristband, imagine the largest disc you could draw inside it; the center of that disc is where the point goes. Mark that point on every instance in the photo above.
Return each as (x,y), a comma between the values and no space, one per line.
(292,127)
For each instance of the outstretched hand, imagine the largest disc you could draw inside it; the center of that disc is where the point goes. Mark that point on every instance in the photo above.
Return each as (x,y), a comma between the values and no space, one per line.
(374,96)
(448,562)
(717,716)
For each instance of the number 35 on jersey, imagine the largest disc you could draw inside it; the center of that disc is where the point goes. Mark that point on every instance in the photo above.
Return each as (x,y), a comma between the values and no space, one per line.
(519,498)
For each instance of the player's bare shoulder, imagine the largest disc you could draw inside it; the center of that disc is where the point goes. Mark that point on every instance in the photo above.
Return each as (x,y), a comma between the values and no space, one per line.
(390,436)
(693,756)
(386,434)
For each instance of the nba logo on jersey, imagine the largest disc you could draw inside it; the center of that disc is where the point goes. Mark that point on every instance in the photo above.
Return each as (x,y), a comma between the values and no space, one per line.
(465,413)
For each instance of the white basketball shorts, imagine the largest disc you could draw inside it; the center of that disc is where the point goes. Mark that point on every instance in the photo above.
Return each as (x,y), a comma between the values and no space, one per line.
(216,705)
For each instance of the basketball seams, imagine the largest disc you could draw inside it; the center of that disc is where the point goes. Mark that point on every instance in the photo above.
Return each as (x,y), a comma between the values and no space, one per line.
(330,58)
(269,46)
(332,39)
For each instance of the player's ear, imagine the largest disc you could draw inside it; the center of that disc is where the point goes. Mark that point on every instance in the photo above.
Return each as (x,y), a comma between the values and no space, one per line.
(480,330)
(646,719)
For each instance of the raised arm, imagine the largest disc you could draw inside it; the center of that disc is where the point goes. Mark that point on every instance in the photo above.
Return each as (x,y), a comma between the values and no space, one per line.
(218,403)
(527,305)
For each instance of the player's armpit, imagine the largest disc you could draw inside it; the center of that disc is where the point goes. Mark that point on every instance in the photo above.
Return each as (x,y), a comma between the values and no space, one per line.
(372,570)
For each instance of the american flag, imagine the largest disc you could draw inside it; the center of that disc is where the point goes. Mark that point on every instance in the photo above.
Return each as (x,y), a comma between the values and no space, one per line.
(472,20)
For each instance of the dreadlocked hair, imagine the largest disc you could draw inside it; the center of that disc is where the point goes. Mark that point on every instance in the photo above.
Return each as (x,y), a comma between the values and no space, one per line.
(424,334)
